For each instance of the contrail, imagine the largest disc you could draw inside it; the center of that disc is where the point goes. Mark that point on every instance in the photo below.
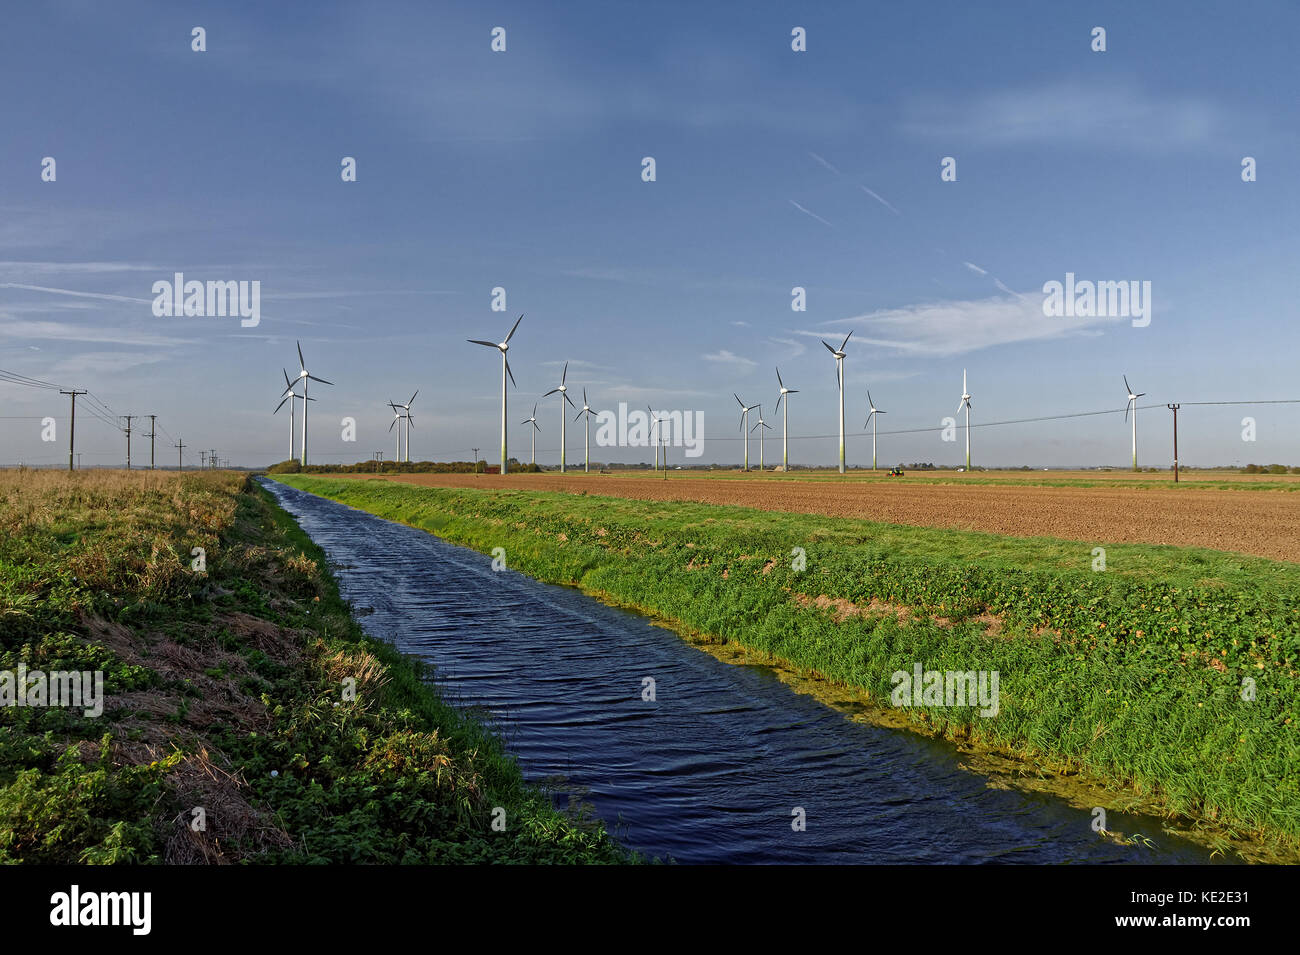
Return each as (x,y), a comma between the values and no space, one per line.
(808,213)
(64,291)
(873,195)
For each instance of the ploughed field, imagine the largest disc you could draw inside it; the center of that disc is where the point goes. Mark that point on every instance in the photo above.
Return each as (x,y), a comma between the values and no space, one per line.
(1265,523)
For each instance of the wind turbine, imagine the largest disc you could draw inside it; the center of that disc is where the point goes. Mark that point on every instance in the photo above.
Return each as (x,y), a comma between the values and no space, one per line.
(757,427)
(409,421)
(586,441)
(564,417)
(965,400)
(744,423)
(289,393)
(871,420)
(654,423)
(503,347)
(1132,406)
(397,418)
(839,378)
(785,420)
(305,376)
(536,428)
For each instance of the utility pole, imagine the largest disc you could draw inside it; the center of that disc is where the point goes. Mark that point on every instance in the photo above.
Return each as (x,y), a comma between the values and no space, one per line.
(1174,408)
(152,429)
(72,423)
(475,450)
(203,459)
(212,458)
(180,451)
(78,460)
(128,418)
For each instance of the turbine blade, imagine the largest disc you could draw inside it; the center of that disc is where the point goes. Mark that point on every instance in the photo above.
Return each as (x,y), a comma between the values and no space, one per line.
(286,378)
(792,391)
(871,404)
(321,380)
(408,404)
(301,363)
(391,423)
(753,429)
(1140,394)
(846,339)
(578,415)
(778,378)
(569,400)
(1127,387)
(564,374)
(509,372)
(513,327)
(828,347)
(534,409)
(551,392)
(281,404)
(477,341)
(778,402)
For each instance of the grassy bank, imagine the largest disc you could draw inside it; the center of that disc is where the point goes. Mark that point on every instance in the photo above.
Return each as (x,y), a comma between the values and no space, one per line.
(1132,676)
(242,688)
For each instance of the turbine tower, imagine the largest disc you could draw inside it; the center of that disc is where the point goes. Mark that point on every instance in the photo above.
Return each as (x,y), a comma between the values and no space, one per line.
(406,408)
(744,423)
(563,392)
(654,423)
(305,376)
(1132,406)
(503,347)
(965,401)
(290,394)
(761,424)
(839,378)
(586,441)
(536,427)
(397,418)
(785,420)
(871,420)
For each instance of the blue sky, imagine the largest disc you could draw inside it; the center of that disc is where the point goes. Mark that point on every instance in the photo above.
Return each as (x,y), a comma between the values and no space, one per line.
(522,169)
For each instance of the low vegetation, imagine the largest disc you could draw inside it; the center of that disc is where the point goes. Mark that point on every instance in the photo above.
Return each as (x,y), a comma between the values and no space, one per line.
(230,733)
(1169,676)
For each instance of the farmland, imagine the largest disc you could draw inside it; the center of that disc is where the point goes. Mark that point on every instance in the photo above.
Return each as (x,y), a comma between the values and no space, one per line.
(1131,678)
(1247,514)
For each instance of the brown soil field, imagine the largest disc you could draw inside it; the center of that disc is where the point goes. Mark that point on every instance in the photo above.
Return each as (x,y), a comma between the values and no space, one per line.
(1263,523)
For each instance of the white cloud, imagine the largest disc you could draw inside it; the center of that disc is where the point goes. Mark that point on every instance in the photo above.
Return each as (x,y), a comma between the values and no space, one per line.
(798,347)
(728,358)
(942,329)
(1099,115)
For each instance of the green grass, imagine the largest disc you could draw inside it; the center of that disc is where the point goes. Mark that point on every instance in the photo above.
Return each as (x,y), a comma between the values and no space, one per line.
(226,691)
(1133,676)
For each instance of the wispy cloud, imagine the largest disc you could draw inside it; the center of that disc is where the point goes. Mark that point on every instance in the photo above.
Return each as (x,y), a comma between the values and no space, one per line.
(946,328)
(798,348)
(1105,115)
(729,358)
(100,334)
